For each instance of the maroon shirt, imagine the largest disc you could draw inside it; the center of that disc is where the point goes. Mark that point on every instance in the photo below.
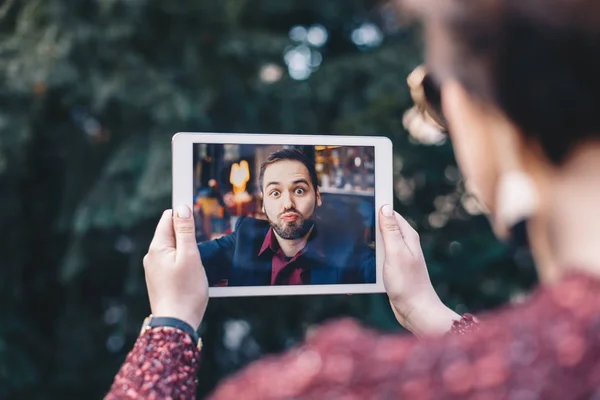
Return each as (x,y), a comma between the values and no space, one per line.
(285,270)
(545,348)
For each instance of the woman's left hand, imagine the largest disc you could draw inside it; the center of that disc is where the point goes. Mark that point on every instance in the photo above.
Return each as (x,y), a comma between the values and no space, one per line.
(176,280)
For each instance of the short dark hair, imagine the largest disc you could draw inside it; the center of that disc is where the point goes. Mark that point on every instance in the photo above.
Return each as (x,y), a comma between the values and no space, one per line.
(536,60)
(292,154)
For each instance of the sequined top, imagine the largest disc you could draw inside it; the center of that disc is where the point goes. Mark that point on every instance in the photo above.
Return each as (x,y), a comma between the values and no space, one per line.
(545,348)
(162,365)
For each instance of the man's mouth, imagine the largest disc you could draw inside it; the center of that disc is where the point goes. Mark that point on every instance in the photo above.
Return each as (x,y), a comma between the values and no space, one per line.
(289,217)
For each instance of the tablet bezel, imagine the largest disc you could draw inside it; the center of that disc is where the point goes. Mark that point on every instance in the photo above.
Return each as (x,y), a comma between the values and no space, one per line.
(183,178)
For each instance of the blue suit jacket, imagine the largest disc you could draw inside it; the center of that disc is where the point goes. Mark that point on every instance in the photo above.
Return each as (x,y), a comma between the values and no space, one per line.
(333,257)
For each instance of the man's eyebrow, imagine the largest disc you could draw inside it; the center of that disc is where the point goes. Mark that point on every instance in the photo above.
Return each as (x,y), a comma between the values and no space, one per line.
(295,182)
(302,180)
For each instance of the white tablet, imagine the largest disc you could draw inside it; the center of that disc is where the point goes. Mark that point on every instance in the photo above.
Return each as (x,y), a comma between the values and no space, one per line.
(285,214)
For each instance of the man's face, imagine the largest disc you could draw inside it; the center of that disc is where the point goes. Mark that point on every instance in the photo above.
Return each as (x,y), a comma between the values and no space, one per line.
(289,199)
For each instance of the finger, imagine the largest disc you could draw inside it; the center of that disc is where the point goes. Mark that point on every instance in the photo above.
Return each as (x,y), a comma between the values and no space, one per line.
(415,78)
(409,235)
(163,236)
(185,232)
(391,233)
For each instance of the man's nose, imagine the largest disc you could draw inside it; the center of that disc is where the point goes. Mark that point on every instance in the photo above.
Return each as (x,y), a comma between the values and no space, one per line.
(288,201)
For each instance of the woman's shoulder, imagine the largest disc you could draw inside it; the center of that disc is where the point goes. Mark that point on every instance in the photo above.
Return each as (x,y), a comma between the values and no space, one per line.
(553,338)
(573,300)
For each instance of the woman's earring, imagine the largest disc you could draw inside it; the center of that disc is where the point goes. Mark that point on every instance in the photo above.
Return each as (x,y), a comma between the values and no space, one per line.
(516,200)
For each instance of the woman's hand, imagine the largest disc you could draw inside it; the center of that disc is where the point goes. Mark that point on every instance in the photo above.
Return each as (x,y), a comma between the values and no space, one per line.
(414,301)
(175,277)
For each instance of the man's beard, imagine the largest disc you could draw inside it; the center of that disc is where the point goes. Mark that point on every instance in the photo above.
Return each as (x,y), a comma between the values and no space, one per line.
(294,229)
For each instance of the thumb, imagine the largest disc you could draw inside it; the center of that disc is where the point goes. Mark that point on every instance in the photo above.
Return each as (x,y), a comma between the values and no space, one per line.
(390,230)
(163,236)
(183,225)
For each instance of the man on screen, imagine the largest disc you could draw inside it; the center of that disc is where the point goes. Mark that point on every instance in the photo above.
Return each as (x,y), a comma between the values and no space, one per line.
(288,248)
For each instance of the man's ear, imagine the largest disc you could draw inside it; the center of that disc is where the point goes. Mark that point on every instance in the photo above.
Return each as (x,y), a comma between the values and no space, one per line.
(319,202)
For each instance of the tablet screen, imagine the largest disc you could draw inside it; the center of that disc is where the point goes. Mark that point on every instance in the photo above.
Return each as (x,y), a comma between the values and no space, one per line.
(272,215)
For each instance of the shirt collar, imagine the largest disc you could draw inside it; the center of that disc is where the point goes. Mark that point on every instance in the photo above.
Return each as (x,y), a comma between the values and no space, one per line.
(270,242)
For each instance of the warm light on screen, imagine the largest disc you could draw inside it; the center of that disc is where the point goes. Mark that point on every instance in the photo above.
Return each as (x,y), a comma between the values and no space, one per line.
(240,175)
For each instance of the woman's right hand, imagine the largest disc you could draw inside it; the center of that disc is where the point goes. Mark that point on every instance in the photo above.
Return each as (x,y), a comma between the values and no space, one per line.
(413,299)
(175,277)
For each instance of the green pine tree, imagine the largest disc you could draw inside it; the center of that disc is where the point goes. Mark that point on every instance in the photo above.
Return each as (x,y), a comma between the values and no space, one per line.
(92,92)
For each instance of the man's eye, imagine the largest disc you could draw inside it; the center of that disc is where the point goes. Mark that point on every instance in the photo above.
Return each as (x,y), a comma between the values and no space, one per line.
(300,191)
(275,193)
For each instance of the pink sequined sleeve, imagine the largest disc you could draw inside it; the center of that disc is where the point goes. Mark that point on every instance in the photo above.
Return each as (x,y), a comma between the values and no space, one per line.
(162,365)
(467,324)
(545,348)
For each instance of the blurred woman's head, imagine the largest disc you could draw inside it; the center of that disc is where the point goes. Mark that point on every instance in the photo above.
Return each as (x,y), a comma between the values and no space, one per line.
(520,90)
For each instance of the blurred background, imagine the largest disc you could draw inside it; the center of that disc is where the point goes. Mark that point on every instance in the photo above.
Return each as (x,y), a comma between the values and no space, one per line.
(226,187)
(91,93)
